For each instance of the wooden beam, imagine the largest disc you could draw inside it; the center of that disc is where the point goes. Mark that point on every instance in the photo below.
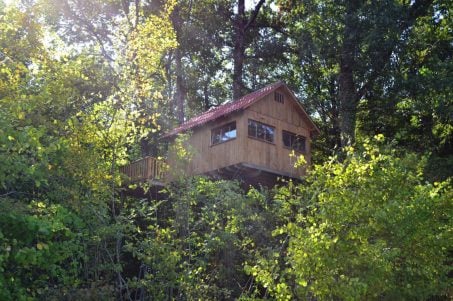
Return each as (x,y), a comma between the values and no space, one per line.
(269,170)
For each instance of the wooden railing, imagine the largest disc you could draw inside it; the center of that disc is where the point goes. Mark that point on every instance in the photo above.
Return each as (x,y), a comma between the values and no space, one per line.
(148,168)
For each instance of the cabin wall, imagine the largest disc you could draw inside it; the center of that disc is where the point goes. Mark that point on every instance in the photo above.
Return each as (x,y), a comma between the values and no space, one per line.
(243,149)
(207,157)
(284,116)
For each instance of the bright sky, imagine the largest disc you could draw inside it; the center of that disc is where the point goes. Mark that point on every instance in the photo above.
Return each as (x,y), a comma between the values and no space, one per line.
(250,4)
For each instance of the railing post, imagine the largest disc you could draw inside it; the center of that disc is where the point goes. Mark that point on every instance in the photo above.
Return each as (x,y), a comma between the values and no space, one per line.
(153,166)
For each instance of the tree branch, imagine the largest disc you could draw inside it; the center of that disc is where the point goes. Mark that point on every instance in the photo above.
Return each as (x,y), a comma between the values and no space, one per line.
(8,193)
(254,14)
(91,29)
(275,27)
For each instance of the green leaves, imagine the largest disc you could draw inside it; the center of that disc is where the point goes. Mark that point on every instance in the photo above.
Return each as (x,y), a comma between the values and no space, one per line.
(74,108)
(67,120)
(198,249)
(374,231)
(42,243)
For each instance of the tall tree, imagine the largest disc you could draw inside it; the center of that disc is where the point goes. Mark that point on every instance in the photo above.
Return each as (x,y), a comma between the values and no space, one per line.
(180,93)
(241,24)
(416,107)
(345,47)
(123,34)
(69,113)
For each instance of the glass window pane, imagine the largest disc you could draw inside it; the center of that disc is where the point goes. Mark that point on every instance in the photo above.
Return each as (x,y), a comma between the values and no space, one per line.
(215,136)
(296,144)
(269,133)
(230,134)
(261,132)
(286,139)
(293,141)
(300,144)
(224,133)
(252,128)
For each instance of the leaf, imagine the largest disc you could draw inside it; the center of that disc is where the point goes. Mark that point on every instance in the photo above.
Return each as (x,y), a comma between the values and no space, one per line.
(40,246)
(303,283)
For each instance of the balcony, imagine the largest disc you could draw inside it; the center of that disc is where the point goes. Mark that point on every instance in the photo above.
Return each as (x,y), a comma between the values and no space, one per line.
(145,169)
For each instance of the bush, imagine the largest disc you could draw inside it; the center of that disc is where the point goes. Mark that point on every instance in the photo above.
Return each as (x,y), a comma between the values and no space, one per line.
(365,228)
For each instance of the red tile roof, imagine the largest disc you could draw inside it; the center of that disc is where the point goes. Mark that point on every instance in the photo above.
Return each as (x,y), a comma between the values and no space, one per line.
(226,109)
(223,110)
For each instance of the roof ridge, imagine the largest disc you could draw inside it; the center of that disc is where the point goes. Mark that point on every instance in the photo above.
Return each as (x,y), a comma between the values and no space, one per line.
(224,109)
(235,100)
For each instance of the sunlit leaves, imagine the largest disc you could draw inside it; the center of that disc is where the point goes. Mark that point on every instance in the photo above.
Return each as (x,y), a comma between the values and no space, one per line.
(150,40)
(67,120)
(365,228)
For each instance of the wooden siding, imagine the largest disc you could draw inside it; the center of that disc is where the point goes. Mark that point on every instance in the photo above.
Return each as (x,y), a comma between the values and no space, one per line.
(243,149)
(207,157)
(286,116)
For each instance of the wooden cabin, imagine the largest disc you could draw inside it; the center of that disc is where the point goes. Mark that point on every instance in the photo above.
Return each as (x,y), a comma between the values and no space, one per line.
(249,139)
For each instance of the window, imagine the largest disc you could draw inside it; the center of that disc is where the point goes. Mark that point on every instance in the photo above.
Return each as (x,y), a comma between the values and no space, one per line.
(293,141)
(278,97)
(223,133)
(261,131)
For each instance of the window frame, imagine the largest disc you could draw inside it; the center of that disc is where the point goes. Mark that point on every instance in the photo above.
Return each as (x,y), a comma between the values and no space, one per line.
(256,131)
(223,131)
(292,136)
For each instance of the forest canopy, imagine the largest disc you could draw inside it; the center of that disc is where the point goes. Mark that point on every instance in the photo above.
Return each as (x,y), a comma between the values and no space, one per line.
(88,86)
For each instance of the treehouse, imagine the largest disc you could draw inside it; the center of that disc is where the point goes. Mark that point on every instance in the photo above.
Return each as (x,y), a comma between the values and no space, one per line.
(250,139)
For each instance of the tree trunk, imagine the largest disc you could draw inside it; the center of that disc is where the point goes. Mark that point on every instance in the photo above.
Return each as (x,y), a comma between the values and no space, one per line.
(206,96)
(348,106)
(239,50)
(241,24)
(334,113)
(180,88)
(347,92)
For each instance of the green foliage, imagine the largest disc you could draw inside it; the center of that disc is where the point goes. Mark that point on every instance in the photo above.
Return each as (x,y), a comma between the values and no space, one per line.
(43,250)
(180,153)
(83,82)
(415,112)
(364,228)
(66,123)
(195,253)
